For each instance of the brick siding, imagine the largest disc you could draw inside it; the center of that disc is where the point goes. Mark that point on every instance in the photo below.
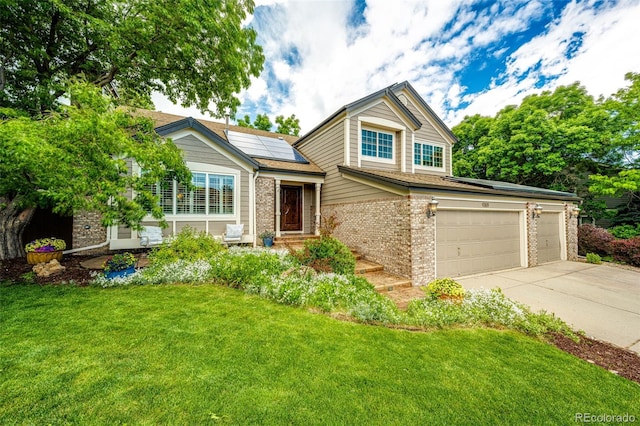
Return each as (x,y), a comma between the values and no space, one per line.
(88,231)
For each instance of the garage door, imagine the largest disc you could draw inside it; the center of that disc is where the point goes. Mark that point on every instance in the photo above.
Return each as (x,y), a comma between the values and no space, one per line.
(549,237)
(470,242)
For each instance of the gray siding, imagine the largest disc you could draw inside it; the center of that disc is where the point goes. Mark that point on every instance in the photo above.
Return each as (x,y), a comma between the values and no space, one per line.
(380,110)
(426,133)
(327,151)
(197,151)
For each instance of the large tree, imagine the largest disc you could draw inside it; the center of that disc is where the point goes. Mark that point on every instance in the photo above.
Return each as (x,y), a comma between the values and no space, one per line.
(624,109)
(196,52)
(78,159)
(552,140)
(286,126)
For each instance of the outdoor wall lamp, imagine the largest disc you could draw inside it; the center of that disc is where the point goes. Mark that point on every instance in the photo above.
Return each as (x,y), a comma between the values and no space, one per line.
(575,211)
(432,208)
(537,210)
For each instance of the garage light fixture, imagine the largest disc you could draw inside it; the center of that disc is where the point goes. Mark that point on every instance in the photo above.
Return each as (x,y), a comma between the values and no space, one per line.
(575,211)
(432,208)
(537,210)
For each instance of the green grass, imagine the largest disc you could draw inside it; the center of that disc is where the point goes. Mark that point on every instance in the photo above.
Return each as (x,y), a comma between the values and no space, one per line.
(213,355)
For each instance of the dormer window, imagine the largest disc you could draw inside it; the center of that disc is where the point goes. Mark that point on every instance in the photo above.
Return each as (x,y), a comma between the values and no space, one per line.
(377,144)
(428,155)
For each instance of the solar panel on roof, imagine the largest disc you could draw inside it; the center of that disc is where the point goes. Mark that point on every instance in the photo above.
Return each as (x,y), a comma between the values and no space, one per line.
(265,147)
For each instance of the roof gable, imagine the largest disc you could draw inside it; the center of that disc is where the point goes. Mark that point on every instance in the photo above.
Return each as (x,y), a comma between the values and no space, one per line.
(436,121)
(191,123)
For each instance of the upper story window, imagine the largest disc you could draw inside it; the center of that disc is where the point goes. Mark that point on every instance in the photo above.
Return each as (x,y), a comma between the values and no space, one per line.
(377,144)
(428,155)
(212,194)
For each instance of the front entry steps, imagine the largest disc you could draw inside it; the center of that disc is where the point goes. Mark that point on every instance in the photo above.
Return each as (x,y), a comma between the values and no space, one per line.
(382,281)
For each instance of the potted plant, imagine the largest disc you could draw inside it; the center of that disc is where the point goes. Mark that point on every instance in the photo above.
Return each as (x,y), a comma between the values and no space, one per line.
(119,265)
(44,250)
(267,238)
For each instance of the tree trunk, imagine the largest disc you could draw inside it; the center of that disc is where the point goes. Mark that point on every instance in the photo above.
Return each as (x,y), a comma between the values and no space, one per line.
(13,221)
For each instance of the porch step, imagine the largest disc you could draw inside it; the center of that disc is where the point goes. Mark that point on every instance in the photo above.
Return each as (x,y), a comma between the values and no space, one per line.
(364,266)
(383,282)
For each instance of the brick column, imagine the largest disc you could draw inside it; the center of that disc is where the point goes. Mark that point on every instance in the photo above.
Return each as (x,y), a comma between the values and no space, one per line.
(532,236)
(571,223)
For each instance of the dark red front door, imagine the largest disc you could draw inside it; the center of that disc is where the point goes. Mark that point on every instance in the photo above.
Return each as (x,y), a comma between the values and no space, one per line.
(291,208)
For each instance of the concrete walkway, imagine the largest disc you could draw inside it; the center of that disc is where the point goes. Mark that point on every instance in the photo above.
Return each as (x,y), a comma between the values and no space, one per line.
(601,300)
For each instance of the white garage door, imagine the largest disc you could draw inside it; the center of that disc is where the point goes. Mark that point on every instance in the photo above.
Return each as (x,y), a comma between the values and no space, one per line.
(549,237)
(470,242)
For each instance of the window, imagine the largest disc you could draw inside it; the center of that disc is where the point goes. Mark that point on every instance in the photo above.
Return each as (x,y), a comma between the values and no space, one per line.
(428,155)
(211,194)
(377,144)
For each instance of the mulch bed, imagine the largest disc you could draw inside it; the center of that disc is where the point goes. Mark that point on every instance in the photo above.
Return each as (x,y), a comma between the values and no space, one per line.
(618,360)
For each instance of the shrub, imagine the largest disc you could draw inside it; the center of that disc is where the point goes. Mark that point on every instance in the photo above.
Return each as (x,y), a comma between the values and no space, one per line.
(443,288)
(627,251)
(188,245)
(625,232)
(484,308)
(327,255)
(594,258)
(592,239)
(243,267)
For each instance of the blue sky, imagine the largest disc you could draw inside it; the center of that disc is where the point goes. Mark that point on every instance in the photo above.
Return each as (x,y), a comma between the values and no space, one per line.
(463,56)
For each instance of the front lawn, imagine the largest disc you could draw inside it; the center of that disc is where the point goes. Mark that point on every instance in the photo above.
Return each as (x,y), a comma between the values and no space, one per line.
(178,354)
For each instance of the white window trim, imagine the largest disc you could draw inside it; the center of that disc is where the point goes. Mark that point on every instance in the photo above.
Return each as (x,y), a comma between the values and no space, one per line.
(217,170)
(376,159)
(429,168)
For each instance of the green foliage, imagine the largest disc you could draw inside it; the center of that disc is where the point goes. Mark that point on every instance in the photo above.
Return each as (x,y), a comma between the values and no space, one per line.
(45,245)
(558,140)
(188,245)
(288,126)
(594,258)
(625,231)
(444,288)
(484,308)
(119,262)
(327,254)
(261,122)
(74,160)
(196,53)
(241,268)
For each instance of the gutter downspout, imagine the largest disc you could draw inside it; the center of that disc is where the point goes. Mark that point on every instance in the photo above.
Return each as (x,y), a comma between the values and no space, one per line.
(96,246)
(255,211)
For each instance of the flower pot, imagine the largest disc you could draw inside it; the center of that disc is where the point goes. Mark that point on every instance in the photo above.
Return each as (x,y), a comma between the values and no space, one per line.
(122,273)
(34,257)
(267,241)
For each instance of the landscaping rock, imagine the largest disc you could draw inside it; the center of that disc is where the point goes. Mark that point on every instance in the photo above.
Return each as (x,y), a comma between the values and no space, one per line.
(47,269)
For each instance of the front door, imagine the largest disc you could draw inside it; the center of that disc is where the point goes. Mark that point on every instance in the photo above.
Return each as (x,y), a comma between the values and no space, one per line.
(291,208)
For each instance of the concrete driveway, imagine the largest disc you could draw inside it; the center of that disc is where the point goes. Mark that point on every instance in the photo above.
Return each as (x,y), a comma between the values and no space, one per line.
(601,300)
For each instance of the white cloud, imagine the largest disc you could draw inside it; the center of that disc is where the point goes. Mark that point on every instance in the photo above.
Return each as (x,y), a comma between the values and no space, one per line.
(429,43)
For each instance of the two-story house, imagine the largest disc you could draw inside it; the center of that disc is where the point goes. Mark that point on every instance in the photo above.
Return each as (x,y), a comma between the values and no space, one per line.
(382,166)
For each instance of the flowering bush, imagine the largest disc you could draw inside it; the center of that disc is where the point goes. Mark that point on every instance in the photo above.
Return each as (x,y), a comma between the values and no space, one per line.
(119,262)
(44,245)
